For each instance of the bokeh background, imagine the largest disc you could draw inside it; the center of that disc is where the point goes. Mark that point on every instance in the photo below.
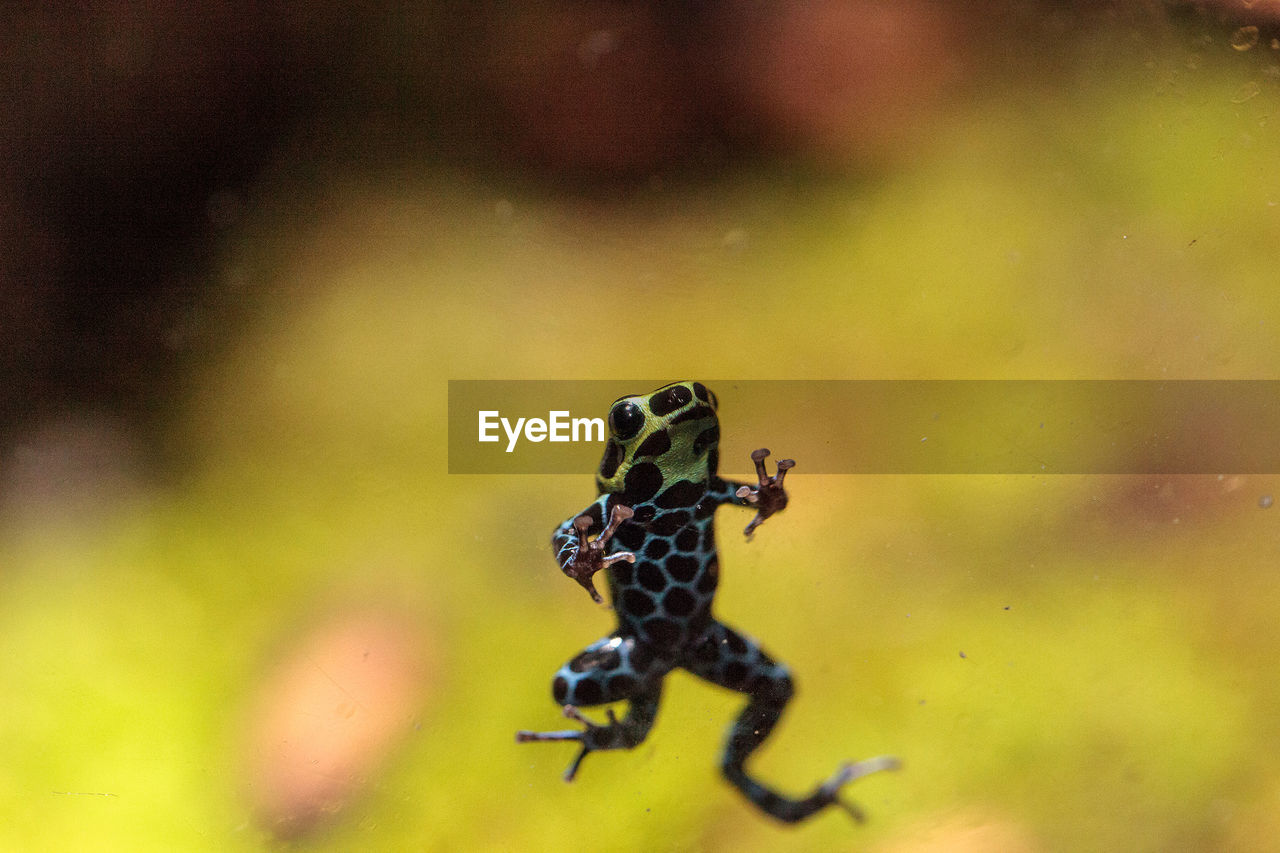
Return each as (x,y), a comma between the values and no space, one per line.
(244,606)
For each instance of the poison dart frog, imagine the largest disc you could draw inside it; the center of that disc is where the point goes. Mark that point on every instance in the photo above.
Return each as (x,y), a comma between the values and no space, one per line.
(651,531)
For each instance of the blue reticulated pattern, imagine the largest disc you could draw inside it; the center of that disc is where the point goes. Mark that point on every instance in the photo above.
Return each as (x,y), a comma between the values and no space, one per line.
(654,537)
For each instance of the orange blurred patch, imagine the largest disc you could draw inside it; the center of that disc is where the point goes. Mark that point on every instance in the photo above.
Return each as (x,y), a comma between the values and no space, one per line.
(838,80)
(330,713)
(967,833)
(589,86)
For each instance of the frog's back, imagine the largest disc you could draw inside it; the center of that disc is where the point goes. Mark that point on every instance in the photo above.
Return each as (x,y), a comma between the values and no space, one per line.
(661,462)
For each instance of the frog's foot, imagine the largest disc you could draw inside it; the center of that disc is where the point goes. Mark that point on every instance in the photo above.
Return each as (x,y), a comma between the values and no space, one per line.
(589,557)
(592,737)
(790,810)
(847,773)
(769,496)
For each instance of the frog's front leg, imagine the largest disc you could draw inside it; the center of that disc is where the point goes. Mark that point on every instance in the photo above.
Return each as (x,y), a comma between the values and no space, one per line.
(768,496)
(588,557)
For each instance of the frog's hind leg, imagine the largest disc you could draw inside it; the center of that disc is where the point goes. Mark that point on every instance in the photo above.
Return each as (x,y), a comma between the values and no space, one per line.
(609,670)
(626,733)
(731,660)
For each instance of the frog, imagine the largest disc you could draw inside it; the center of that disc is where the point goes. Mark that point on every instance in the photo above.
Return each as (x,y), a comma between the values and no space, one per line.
(651,532)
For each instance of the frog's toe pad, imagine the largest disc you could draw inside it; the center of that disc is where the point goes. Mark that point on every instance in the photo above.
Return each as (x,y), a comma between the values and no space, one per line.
(852,770)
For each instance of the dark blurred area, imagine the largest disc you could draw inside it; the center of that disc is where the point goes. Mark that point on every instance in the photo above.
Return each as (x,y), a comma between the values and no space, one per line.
(129,131)
(133,134)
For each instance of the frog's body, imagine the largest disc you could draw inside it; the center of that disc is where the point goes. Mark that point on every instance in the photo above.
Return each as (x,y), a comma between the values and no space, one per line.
(655,537)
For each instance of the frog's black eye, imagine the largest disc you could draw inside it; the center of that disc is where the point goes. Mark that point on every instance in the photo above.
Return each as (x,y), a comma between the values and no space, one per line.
(625,420)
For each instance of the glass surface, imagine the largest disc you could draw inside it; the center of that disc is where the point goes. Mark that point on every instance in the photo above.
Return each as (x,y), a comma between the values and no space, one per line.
(243,600)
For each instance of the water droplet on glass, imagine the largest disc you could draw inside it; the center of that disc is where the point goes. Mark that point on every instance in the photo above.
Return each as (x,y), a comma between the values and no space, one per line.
(1266,501)
(1244,38)
(734,238)
(595,46)
(1245,92)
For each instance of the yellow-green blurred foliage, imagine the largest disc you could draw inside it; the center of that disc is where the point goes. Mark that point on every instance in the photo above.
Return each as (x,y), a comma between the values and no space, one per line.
(1082,663)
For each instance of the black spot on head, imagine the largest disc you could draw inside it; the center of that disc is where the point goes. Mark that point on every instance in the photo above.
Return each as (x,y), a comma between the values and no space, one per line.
(642,483)
(700,391)
(655,445)
(705,509)
(637,603)
(663,632)
(683,493)
(559,689)
(706,438)
(651,577)
(657,548)
(679,602)
(669,522)
(621,686)
(612,458)
(735,674)
(587,692)
(682,568)
(687,539)
(667,400)
(697,413)
(625,420)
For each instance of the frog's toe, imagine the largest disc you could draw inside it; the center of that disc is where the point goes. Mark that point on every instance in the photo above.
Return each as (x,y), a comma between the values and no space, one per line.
(848,772)
(572,770)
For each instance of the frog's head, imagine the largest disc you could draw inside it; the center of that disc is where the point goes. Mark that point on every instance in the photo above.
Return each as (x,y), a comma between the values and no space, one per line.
(668,435)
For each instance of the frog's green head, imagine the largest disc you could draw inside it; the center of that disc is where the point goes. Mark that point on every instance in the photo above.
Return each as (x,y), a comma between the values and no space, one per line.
(671,434)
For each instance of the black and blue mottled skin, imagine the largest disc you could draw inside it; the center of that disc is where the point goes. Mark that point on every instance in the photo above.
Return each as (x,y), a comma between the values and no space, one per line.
(654,536)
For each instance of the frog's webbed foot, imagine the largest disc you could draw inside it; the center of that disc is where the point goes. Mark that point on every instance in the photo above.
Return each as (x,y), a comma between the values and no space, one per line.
(589,556)
(848,772)
(825,794)
(592,737)
(769,496)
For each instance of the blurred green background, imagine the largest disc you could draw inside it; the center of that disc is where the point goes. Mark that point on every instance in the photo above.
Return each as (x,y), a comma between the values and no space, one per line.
(246,607)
